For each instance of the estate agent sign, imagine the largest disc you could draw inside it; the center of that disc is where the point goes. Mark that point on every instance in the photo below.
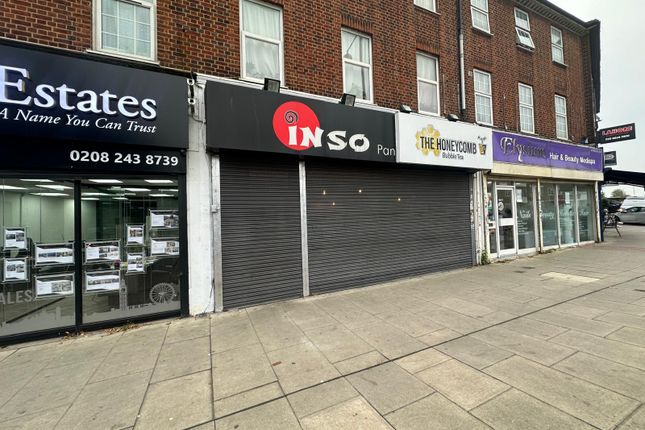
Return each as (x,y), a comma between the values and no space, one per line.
(253,120)
(529,151)
(435,141)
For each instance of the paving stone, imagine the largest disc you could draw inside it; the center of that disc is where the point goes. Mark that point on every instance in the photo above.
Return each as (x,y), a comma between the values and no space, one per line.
(16,376)
(231,333)
(182,358)
(247,399)
(623,319)
(37,354)
(360,362)
(413,324)
(354,414)
(464,306)
(388,387)
(113,403)
(629,335)
(93,348)
(139,350)
(4,353)
(579,310)
(636,421)
(497,317)
(473,352)
(534,328)
(206,426)
(526,346)
(307,315)
(273,415)
(462,384)
(439,336)
(625,308)
(338,343)
(389,341)
(571,395)
(321,397)
(346,312)
(277,332)
(422,360)
(616,377)
(239,370)
(433,412)
(43,420)
(177,403)
(516,410)
(188,328)
(301,366)
(456,321)
(619,352)
(576,323)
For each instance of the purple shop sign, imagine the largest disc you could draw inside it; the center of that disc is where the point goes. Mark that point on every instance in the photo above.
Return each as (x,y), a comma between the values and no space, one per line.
(516,149)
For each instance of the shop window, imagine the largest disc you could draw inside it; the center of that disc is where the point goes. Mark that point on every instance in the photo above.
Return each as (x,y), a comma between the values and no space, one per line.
(525,216)
(549,215)
(561,128)
(126,27)
(262,45)
(523,29)
(567,214)
(586,215)
(526,108)
(483,97)
(357,64)
(428,84)
(557,45)
(479,12)
(427,4)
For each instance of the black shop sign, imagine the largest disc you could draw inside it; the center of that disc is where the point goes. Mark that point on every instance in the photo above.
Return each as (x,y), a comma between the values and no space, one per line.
(47,95)
(254,120)
(616,134)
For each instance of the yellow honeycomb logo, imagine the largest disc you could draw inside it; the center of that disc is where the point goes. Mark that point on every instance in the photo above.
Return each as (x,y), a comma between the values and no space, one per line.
(424,139)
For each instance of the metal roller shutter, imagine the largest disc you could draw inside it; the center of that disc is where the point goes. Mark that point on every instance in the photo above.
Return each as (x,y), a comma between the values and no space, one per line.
(369,224)
(261,244)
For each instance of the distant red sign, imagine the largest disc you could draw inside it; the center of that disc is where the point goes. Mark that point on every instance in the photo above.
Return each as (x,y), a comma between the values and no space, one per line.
(616,134)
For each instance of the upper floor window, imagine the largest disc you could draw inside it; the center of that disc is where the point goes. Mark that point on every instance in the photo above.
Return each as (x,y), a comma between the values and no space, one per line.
(262,55)
(561,129)
(483,97)
(427,4)
(126,27)
(557,45)
(357,64)
(527,124)
(523,29)
(479,12)
(428,84)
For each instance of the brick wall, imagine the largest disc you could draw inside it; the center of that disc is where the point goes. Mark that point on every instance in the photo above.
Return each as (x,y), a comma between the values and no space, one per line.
(203,37)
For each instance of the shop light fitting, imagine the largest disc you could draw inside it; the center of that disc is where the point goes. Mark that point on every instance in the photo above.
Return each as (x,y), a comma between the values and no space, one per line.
(106,181)
(95,194)
(271,85)
(169,190)
(405,108)
(49,194)
(159,181)
(161,195)
(11,187)
(55,187)
(452,117)
(37,180)
(138,190)
(119,198)
(89,198)
(360,191)
(348,99)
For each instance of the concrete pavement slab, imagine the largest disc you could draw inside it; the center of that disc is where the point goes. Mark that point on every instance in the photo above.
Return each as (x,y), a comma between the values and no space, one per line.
(44,420)
(434,412)
(586,325)
(619,352)
(462,384)
(579,310)
(354,414)
(607,305)
(413,324)
(388,340)
(188,328)
(321,397)
(636,421)
(301,366)
(4,353)
(623,319)
(464,306)
(247,399)
(113,403)
(276,331)
(306,315)
(497,317)
(631,335)
(239,370)
(93,348)
(360,362)
(608,374)
(232,333)
(15,377)
(388,387)
(338,343)
(456,321)
(422,360)
(571,395)
(439,336)
(177,403)
(273,415)
(534,328)
(515,410)
(344,311)
(182,358)
(140,353)
(473,352)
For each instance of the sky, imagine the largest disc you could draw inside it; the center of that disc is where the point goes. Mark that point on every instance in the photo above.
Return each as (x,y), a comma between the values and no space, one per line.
(621,70)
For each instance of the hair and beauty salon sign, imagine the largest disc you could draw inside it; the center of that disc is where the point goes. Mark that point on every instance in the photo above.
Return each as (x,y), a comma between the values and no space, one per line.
(253,120)
(435,141)
(528,151)
(50,96)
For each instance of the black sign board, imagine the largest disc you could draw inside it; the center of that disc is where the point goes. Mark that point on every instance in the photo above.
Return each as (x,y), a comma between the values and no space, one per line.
(616,134)
(62,97)
(610,158)
(254,120)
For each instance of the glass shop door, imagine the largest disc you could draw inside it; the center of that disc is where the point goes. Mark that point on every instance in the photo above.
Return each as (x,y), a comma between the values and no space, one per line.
(506,220)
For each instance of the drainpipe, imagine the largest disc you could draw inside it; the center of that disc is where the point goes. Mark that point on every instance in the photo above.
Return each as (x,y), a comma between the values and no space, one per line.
(462,67)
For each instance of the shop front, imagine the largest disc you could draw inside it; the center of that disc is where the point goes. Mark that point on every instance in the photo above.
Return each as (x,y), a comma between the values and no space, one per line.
(541,195)
(92,193)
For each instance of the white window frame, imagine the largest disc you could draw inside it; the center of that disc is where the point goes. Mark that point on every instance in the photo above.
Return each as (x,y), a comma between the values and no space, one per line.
(428,81)
(97,25)
(561,116)
(486,95)
(523,31)
(483,11)
(244,34)
(526,106)
(432,8)
(358,63)
(555,46)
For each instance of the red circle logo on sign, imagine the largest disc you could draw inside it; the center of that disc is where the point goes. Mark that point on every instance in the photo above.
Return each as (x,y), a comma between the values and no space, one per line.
(298,115)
